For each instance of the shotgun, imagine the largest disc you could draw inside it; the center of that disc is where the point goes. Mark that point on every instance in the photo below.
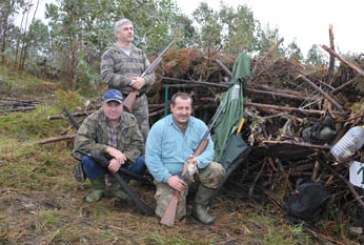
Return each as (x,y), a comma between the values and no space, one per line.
(130,99)
(169,215)
(104,162)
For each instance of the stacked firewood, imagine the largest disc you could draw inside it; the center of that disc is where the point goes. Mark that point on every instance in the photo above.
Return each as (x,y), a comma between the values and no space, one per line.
(8,105)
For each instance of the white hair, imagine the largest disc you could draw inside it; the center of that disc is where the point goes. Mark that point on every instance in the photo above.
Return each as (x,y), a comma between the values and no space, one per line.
(121,22)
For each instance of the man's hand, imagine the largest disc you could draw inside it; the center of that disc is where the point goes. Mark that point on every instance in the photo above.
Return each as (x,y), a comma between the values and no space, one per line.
(176,183)
(137,82)
(114,166)
(116,154)
(192,159)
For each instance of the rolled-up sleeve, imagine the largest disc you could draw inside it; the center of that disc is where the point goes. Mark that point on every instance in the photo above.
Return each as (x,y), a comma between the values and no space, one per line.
(207,156)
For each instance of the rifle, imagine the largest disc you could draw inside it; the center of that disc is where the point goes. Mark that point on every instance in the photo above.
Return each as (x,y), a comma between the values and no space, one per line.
(169,215)
(104,162)
(130,99)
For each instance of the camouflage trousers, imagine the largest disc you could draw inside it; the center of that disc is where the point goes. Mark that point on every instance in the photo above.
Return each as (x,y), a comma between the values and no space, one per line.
(141,112)
(210,177)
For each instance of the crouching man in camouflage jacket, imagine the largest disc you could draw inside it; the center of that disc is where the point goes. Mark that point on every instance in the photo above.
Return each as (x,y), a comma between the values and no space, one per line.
(110,131)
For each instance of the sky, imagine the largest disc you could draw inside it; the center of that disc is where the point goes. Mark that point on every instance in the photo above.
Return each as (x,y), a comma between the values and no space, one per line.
(304,21)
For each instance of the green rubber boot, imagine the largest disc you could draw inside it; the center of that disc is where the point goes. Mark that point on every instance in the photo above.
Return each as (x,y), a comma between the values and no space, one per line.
(98,187)
(116,191)
(202,201)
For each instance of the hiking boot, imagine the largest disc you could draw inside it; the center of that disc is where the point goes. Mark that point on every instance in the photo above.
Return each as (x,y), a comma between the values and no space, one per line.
(98,187)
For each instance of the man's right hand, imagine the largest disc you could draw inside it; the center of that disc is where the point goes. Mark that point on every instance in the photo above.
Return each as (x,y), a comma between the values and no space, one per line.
(116,154)
(176,183)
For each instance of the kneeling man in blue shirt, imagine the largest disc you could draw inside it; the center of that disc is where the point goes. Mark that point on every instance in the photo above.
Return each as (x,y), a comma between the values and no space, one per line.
(170,144)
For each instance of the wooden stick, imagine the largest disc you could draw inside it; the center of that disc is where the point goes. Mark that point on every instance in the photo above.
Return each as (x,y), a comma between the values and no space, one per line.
(56,139)
(197,82)
(351,81)
(303,144)
(332,58)
(62,116)
(285,108)
(332,100)
(352,66)
(226,70)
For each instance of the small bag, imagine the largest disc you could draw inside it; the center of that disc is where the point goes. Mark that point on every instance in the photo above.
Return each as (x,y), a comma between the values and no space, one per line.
(307,201)
(79,173)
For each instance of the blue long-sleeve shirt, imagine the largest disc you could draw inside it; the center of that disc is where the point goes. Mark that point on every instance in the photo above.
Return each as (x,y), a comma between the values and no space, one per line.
(167,148)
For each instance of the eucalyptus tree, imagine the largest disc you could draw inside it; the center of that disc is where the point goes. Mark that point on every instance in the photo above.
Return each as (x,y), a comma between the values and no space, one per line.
(316,57)
(210,27)
(8,8)
(239,29)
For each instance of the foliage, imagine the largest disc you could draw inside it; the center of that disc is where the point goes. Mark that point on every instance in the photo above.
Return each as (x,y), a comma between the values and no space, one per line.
(68,99)
(315,56)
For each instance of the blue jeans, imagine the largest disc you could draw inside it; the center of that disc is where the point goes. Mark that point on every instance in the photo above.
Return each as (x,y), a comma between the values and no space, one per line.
(93,170)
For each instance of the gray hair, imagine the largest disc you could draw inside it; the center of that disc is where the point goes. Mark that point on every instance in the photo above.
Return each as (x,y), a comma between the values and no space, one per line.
(121,22)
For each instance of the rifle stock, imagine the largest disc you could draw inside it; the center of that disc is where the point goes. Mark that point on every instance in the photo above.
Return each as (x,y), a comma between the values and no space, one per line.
(169,215)
(130,99)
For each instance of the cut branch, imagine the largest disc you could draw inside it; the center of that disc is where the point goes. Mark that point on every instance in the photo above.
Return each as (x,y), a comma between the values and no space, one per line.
(351,65)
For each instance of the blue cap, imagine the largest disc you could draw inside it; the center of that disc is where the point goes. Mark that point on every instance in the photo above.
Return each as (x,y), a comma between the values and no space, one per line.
(113,95)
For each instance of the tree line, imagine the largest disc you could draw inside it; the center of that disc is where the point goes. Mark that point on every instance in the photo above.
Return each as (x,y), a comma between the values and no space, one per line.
(69,42)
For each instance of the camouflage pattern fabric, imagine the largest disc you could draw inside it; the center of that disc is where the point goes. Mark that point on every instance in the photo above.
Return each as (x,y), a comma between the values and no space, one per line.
(117,69)
(92,136)
(141,113)
(210,177)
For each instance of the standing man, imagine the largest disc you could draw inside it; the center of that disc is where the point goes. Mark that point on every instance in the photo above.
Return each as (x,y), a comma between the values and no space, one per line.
(110,131)
(121,67)
(170,144)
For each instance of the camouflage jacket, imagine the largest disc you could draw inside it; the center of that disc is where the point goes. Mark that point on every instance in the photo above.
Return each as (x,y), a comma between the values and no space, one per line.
(92,136)
(117,68)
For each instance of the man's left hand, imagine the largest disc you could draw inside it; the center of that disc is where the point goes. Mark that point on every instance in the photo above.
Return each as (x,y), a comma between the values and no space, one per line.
(137,82)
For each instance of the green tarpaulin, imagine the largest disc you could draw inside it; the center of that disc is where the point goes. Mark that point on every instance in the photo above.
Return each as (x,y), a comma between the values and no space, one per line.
(233,102)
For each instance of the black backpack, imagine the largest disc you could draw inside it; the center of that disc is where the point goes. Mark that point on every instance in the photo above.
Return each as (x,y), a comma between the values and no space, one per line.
(307,201)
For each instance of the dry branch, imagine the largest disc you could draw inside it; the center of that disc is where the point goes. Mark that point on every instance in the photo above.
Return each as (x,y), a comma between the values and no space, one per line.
(332,100)
(56,139)
(285,108)
(351,65)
